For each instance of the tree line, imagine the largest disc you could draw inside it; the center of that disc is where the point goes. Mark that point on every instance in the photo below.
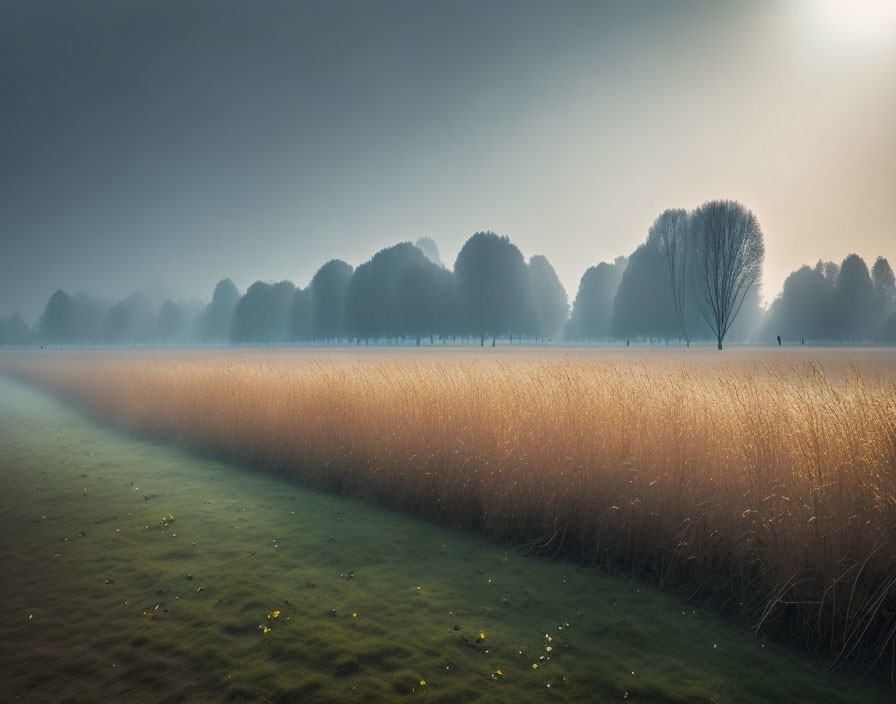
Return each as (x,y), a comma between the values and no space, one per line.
(695,278)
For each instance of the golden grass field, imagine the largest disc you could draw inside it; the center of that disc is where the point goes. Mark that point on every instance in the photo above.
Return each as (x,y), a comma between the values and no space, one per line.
(762,482)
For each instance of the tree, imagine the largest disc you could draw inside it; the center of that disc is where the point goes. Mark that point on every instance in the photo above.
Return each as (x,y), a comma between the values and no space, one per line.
(729,250)
(14,331)
(887,333)
(642,307)
(371,299)
(551,301)
(493,286)
(854,299)
(802,309)
(428,246)
(362,312)
(57,324)
(884,291)
(262,314)
(278,320)
(131,321)
(250,317)
(419,299)
(117,325)
(670,235)
(215,321)
(592,310)
(90,313)
(300,315)
(327,290)
(172,327)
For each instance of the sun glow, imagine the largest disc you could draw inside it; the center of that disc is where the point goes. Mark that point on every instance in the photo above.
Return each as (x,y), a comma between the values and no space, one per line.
(855,21)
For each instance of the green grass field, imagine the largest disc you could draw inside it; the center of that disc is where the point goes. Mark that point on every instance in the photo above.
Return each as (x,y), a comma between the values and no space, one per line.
(100,531)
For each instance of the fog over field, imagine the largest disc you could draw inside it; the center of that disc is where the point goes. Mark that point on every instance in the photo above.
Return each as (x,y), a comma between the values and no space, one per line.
(163,146)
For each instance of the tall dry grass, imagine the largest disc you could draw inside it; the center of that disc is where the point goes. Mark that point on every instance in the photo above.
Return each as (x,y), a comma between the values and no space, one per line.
(765,487)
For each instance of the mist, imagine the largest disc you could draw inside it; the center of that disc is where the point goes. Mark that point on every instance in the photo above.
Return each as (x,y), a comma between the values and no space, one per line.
(163,146)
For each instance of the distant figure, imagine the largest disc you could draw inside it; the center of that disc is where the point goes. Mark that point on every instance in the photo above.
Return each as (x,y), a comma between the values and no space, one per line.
(802,341)
(779,340)
(626,342)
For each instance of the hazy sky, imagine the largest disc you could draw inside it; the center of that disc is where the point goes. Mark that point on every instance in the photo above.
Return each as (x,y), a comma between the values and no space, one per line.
(175,143)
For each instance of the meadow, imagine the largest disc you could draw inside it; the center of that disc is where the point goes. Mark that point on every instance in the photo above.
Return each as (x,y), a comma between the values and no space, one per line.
(761,485)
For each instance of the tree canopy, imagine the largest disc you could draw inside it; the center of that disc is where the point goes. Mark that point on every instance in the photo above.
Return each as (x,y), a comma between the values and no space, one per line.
(493,286)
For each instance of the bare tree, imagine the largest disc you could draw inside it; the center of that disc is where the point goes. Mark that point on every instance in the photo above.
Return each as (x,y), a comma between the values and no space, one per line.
(728,249)
(669,234)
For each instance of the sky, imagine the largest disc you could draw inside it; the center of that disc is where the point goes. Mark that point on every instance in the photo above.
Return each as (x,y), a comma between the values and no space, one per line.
(168,144)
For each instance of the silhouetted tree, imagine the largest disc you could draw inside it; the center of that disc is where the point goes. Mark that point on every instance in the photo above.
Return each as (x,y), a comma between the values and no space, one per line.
(428,246)
(372,297)
(729,250)
(279,321)
(90,313)
(831,271)
(131,321)
(262,314)
(854,307)
(884,291)
(670,234)
(643,307)
(327,290)
(802,309)
(172,326)
(300,315)
(449,319)
(887,333)
(14,331)
(57,324)
(117,326)
(362,313)
(493,286)
(214,324)
(551,301)
(419,299)
(250,321)
(592,311)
